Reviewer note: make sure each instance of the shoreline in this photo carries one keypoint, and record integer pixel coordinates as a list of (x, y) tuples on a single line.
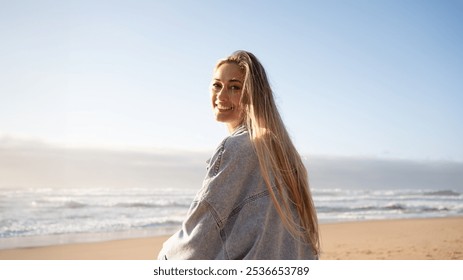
[(11, 243), (400, 239)]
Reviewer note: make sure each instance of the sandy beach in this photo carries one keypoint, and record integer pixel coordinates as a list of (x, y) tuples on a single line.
[(416, 239)]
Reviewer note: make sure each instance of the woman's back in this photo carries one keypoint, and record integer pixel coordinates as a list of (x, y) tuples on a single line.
[(234, 211)]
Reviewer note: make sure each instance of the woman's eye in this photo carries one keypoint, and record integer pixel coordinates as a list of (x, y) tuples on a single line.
[(216, 86), (235, 88)]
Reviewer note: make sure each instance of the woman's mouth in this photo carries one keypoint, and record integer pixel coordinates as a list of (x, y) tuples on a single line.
[(224, 108)]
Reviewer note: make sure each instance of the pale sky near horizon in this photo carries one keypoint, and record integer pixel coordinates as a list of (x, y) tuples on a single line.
[(351, 78)]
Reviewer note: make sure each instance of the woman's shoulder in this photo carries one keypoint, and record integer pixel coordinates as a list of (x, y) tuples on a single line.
[(238, 141), (236, 148), (233, 176)]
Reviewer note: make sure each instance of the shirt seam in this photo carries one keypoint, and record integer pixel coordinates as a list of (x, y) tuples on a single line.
[(219, 156), (245, 202), (219, 224)]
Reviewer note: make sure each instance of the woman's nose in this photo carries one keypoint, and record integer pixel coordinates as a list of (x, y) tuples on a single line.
[(222, 94)]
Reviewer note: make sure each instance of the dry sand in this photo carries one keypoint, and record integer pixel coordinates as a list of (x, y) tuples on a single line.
[(417, 239)]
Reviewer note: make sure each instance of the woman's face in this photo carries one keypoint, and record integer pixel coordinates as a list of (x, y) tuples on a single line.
[(227, 85)]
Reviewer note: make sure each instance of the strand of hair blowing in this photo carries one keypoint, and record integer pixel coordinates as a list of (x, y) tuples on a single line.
[(280, 163)]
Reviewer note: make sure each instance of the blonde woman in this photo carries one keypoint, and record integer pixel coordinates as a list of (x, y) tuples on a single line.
[(255, 201)]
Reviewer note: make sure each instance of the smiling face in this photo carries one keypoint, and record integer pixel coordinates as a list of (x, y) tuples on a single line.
[(227, 85)]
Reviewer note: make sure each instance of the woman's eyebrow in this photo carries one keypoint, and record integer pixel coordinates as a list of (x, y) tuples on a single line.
[(230, 81), (235, 80)]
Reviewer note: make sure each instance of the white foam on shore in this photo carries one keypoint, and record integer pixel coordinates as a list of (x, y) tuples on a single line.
[(63, 239)]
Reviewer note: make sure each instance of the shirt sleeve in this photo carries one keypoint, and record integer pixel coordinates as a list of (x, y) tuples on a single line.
[(201, 234), (198, 239)]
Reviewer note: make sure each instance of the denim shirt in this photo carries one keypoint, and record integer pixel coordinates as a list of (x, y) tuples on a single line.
[(233, 215)]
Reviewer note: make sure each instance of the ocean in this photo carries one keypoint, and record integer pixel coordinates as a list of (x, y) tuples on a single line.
[(46, 216)]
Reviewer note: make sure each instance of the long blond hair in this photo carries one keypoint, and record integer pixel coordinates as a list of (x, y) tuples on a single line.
[(280, 163)]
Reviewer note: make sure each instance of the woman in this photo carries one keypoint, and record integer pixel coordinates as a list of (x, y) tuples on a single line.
[(255, 201)]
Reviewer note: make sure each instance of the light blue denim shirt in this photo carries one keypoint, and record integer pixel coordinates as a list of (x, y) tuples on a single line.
[(233, 216)]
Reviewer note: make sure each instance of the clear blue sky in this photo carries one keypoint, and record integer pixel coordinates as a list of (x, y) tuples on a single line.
[(352, 78)]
